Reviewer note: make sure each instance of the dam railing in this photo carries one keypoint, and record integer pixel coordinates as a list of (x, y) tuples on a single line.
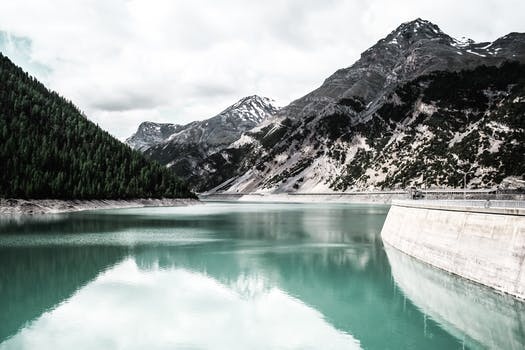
[(489, 203), (506, 207)]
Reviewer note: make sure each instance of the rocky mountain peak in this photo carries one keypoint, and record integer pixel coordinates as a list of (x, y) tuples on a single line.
[(188, 145), (253, 108), (255, 99), (221, 129), (417, 29), (413, 49), (149, 133), (416, 33)]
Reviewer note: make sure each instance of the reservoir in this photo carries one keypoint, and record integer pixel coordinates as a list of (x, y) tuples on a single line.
[(235, 276)]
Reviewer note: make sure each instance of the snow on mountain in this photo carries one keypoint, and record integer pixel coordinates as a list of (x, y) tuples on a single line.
[(373, 126), (183, 147), (149, 134), (418, 108)]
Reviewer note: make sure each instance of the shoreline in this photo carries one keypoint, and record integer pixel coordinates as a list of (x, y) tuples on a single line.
[(358, 198), (361, 197), (12, 206)]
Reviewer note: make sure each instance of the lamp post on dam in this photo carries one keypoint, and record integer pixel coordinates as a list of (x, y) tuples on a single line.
[(465, 181)]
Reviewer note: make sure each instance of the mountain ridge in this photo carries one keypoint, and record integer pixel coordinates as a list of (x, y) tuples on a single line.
[(405, 53), (327, 139), (351, 97), (250, 110), (183, 147)]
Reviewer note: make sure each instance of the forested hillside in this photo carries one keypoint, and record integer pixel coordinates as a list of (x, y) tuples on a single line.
[(49, 149)]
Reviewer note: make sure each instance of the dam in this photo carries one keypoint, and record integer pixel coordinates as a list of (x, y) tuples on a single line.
[(483, 241)]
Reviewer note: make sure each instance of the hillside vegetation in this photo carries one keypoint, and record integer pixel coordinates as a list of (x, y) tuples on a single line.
[(49, 149)]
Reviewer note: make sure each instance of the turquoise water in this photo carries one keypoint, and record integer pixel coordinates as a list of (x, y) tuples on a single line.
[(235, 276)]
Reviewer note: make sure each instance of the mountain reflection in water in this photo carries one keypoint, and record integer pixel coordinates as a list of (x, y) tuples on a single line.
[(215, 276)]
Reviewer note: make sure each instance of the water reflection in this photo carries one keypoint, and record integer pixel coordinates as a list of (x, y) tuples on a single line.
[(35, 280), (482, 317), (131, 308), (212, 276), (349, 285)]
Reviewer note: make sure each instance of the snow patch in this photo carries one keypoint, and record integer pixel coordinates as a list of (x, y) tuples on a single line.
[(498, 127), (494, 145), (281, 158), (242, 141), (476, 53), (427, 109), (486, 47), (360, 142), (462, 43)]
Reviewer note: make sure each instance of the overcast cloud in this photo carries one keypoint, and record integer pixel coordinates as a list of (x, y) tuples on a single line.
[(126, 61)]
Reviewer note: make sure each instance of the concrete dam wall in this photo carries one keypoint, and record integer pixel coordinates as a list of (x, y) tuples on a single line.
[(481, 243), (470, 311)]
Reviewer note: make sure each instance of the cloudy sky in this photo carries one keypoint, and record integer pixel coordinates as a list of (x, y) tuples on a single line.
[(126, 61)]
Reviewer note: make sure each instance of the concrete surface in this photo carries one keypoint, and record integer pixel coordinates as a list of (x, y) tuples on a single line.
[(471, 312), (485, 245)]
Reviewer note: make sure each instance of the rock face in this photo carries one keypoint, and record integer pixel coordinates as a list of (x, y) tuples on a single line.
[(419, 107), (413, 49), (183, 147), (149, 134)]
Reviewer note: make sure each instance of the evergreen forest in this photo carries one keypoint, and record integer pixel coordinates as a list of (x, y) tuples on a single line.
[(49, 149)]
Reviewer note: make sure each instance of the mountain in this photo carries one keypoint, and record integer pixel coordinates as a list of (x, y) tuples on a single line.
[(150, 133), (183, 147), (413, 49), (49, 149), (416, 108)]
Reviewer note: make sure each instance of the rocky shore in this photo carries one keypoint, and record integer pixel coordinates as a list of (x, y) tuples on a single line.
[(43, 206)]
